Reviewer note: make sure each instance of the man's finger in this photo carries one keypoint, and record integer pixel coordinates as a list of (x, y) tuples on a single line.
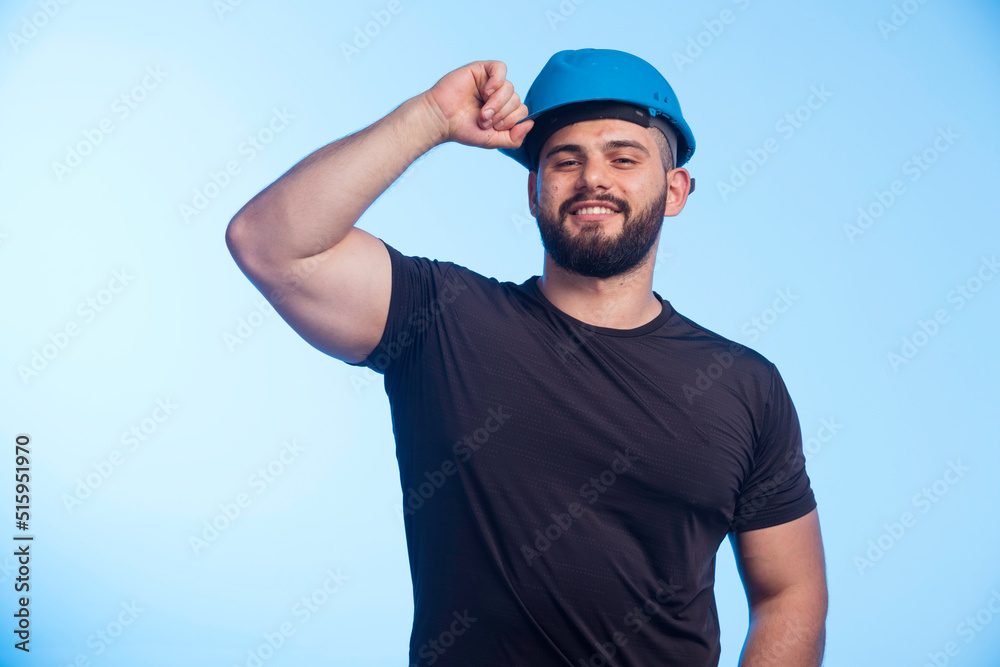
[(497, 73), (516, 116), (501, 103), (518, 132)]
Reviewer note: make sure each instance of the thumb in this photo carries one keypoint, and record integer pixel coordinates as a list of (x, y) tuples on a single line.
[(514, 137)]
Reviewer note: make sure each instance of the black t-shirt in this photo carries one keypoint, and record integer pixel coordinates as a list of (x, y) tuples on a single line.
[(566, 486)]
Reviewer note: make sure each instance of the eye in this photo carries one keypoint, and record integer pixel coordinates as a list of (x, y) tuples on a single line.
[(564, 163), (626, 159)]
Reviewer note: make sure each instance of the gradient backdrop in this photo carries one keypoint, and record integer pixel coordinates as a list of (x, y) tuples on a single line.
[(208, 489)]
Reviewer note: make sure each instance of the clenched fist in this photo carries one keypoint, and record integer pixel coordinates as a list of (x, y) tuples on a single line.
[(475, 105)]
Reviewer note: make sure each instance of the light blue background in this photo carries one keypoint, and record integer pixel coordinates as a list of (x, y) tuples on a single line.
[(334, 507)]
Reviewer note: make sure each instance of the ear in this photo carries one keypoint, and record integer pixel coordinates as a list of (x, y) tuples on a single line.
[(678, 188), (533, 193)]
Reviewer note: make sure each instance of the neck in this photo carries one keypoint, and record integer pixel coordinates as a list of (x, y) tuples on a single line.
[(620, 302)]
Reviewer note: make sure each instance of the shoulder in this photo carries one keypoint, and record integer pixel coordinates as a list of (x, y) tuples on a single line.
[(451, 280), (716, 373), (712, 347)]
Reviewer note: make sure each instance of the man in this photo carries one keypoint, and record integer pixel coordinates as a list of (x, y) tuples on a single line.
[(572, 451)]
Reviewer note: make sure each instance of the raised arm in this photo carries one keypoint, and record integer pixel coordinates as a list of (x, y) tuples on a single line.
[(296, 240), (784, 573)]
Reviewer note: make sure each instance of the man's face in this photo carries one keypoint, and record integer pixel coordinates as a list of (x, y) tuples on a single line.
[(610, 164)]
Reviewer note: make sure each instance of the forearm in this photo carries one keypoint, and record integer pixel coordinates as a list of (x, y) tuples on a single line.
[(788, 632), (315, 204)]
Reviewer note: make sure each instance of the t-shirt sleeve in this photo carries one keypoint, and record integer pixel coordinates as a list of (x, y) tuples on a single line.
[(418, 284), (777, 489)]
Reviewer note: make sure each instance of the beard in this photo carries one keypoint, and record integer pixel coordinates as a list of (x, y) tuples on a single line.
[(593, 253)]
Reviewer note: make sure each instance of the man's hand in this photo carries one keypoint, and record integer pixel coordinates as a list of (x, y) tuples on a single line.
[(475, 105)]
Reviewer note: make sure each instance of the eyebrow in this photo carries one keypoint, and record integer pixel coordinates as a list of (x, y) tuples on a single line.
[(608, 146)]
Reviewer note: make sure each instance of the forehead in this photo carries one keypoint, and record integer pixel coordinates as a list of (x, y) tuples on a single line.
[(596, 132)]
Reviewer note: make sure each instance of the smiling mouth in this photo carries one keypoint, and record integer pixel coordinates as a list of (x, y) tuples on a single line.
[(594, 210)]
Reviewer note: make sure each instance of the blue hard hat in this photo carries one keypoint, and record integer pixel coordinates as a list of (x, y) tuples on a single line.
[(601, 75)]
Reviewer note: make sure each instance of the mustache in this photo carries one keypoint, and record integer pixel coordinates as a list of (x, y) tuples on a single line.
[(620, 204)]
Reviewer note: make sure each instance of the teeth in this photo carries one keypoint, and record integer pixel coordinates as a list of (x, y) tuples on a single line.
[(591, 210)]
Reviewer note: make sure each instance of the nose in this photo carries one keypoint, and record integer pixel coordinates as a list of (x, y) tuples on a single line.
[(594, 175)]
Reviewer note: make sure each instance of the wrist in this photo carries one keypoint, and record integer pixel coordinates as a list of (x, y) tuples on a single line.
[(427, 121)]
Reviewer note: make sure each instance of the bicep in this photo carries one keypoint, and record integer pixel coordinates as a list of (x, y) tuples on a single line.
[(781, 559), (338, 300)]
